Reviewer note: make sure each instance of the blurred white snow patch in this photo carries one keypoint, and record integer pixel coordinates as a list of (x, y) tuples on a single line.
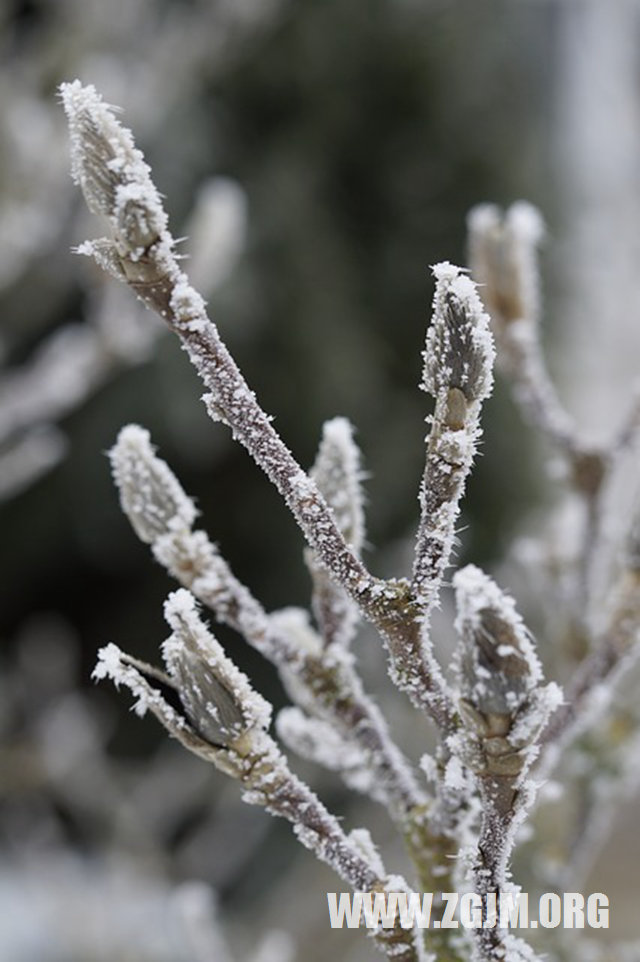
[(61, 907), (276, 946), (196, 904), (216, 231)]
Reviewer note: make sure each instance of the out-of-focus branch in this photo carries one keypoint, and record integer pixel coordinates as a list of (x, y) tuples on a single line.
[(503, 257)]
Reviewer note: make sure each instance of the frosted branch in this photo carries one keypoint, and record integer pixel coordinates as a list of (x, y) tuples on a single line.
[(323, 680), (504, 706), (503, 257), (117, 183), (458, 362), (458, 373), (594, 680), (205, 702), (318, 741)]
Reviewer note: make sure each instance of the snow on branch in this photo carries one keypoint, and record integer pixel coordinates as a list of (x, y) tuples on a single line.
[(208, 704), (323, 680), (117, 183), (495, 714), (458, 373), (504, 706), (503, 256)]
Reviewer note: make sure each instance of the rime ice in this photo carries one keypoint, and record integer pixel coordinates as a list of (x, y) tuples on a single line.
[(492, 720)]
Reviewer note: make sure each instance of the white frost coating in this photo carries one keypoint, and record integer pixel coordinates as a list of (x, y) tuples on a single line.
[(503, 252), (112, 663), (516, 950), (294, 625), (526, 222), (150, 494), (338, 475), (484, 218), (454, 775), (209, 682), (459, 350), (109, 664), (476, 593), (111, 171), (187, 304), (361, 840), (543, 704), (429, 766), (317, 740)]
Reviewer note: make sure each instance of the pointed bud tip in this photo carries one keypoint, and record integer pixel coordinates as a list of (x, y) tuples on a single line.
[(459, 350), (150, 494)]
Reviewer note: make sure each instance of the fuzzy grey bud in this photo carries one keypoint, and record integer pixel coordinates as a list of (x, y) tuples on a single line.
[(111, 171), (150, 494), (497, 664), (459, 352), (502, 250), (218, 699)]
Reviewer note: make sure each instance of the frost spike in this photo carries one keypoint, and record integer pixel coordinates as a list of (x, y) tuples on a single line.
[(497, 664), (111, 171), (459, 354)]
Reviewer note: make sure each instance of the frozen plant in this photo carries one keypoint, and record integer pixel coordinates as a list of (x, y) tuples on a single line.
[(495, 717)]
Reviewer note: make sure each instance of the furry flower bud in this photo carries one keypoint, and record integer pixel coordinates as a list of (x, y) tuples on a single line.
[(497, 663), (150, 494), (111, 171), (217, 697), (459, 352), (502, 251)]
